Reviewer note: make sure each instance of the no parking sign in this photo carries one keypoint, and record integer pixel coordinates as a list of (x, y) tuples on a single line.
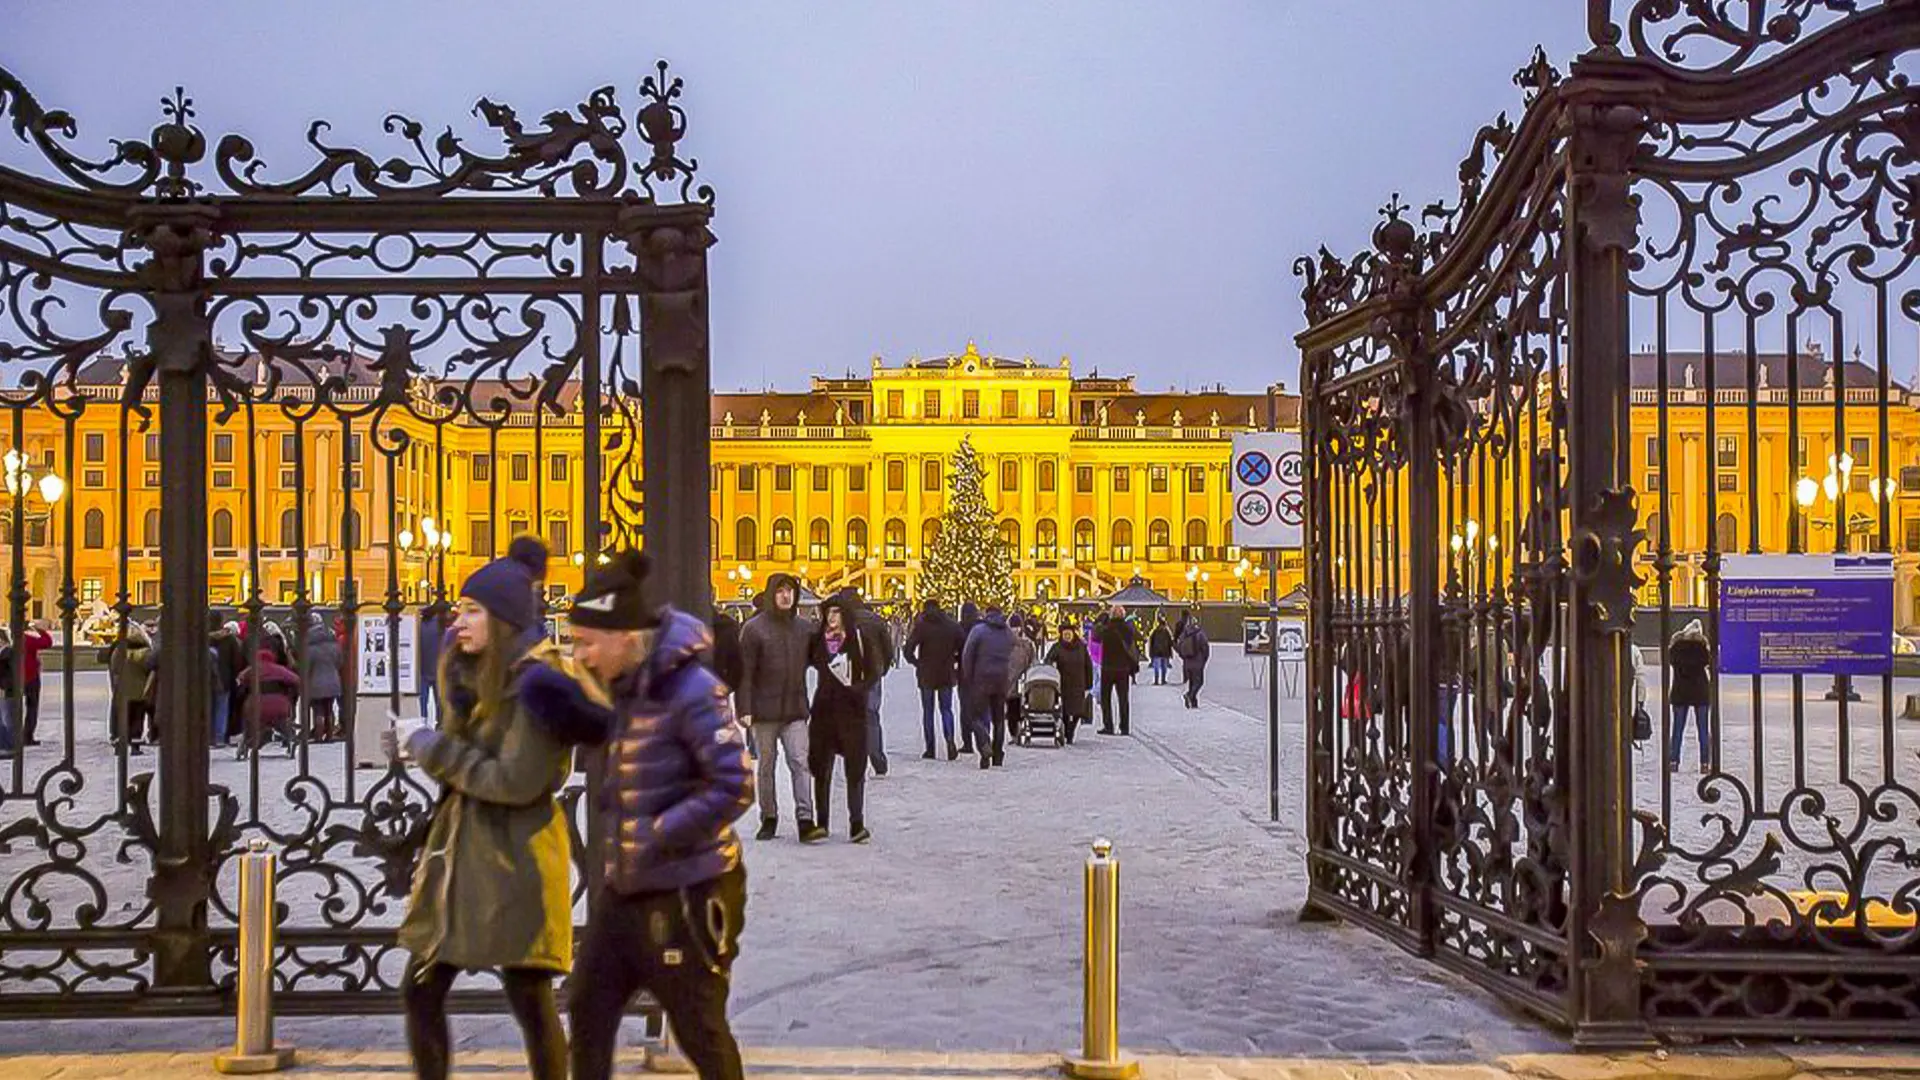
[(1268, 506)]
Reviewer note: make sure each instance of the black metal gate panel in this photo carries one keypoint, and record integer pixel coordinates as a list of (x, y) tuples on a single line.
[(311, 403), (1676, 292)]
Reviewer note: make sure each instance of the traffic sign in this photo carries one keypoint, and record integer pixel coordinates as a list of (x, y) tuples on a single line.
[(1269, 505)]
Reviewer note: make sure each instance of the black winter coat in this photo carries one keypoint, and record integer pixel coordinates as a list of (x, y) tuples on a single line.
[(727, 662), (933, 648), (1119, 650), (1690, 660), (1075, 665), (1160, 643), (834, 701)]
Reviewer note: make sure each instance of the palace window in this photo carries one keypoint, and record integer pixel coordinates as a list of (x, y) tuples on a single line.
[(819, 540), (782, 533), (559, 537), (1653, 463), (1046, 537), (930, 474), (1727, 452), (1010, 538), (150, 529), (857, 411), (1083, 550), (930, 405), (746, 539), (896, 474), (1157, 480), (353, 449), (821, 478), (1046, 404), (1088, 413), (1010, 475), (783, 478), (896, 403), (1122, 478), (857, 478), (1010, 403), (1726, 533), (1913, 534), (1159, 534), (929, 535), (1196, 479), (153, 449), (1047, 479), (480, 537), (748, 477), (557, 468), (1800, 453), (896, 539), (970, 404), (223, 478), (857, 539), (96, 447), (517, 527), (223, 448), (1123, 541), (290, 528), (522, 468), (482, 468), (1196, 540), (1083, 479), (222, 528)]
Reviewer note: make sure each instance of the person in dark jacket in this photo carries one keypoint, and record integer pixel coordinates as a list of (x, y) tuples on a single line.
[(269, 691), (986, 673), (323, 680), (933, 648), (493, 890), (969, 619), (130, 672), (1691, 659), (877, 634), (1119, 663), (676, 777), (229, 660), (727, 664), (432, 632), (1190, 641), (840, 656), (1160, 650), (1069, 656), (772, 699)]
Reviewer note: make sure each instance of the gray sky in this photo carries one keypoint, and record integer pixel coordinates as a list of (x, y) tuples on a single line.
[(1125, 183)]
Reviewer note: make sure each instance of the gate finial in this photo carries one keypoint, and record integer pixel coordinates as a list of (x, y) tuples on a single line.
[(1601, 29)]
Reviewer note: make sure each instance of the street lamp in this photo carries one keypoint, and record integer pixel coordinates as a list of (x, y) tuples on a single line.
[(1806, 493), (1193, 582)]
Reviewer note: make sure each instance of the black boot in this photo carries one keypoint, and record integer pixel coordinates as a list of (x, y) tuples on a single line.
[(927, 755), (769, 828), (986, 761), (952, 750)]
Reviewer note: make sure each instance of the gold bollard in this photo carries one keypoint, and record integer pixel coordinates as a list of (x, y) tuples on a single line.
[(1100, 1026), (253, 1049)]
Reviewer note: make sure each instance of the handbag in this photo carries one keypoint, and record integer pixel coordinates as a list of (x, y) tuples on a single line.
[(1642, 724)]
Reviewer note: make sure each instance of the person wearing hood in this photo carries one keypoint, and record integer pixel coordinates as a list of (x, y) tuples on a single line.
[(1691, 659), (1119, 663), (1190, 641), (323, 661), (772, 699), (493, 888), (1160, 650), (933, 648), (675, 777), (969, 620), (1069, 656), (229, 660), (877, 634), (986, 671), (131, 664), (726, 647), (269, 691), (840, 657)]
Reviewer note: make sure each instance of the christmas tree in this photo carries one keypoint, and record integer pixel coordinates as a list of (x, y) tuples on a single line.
[(966, 561)]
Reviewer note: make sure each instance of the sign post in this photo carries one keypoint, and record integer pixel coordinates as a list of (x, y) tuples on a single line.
[(1268, 511)]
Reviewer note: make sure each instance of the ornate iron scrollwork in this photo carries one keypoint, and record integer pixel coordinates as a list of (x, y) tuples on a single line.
[(1603, 558)]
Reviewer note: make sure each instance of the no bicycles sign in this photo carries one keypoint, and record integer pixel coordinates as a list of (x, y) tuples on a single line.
[(1268, 505)]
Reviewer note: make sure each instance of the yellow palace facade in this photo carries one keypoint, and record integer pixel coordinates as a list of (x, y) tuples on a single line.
[(1094, 480)]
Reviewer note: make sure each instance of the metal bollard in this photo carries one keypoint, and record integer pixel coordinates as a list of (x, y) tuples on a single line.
[(253, 1048), (1100, 1025)]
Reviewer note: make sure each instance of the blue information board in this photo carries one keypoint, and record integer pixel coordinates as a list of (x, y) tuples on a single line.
[(1806, 615)]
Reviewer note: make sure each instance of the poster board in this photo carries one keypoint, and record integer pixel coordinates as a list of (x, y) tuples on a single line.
[(1806, 615), (375, 654)]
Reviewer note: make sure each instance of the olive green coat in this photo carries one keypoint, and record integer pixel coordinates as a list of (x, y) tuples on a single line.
[(493, 887)]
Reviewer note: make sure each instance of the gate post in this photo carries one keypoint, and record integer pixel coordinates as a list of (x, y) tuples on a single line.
[(1605, 927), (675, 387), (176, 233)]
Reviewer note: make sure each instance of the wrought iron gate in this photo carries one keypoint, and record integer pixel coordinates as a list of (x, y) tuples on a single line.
[(305, 401), (1689, 268)]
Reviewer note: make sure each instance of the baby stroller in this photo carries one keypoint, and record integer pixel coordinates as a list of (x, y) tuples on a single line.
[(1040, 707)]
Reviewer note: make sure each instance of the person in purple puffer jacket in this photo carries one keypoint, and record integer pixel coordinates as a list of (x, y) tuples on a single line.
[(676, 777)]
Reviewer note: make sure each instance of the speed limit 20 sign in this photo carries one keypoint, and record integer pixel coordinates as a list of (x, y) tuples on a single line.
[(1269, 507)]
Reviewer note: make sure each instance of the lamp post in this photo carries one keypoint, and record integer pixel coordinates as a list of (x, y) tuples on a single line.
[(21, 484), (1193, 584), (1807, 492)]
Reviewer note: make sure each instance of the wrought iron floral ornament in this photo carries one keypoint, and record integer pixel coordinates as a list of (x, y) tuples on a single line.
[(1603, 557)]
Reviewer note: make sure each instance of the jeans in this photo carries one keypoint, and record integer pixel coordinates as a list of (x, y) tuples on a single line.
[(927, 697), (876, 738), (1196, 678), (30, 731), (1675, 744), (1108, 687), (677, 946), (1160, 664), (990, 725), (222, 714), (770, 737), (426, 692)]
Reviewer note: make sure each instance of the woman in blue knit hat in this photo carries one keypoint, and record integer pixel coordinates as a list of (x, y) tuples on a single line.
[(491, 890)]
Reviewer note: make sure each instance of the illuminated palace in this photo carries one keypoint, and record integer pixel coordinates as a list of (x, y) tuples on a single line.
[(1094, 481)]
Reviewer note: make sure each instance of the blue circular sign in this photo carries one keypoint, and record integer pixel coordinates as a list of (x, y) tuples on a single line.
[(1254, 468)]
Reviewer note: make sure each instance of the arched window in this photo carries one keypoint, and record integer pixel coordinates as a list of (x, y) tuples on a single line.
[(1726, 532), (1083, 541), (1046, 537), (782, 533), (857, 538), (1010, 538), (1046, 475), (1123, 541), (819, 540), (95, 529), (929, 535), (746, 539), (289, 528), (896, 539), (150, 529), (1159, 538), (1196, 539), (222, 529), (350, 529)]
